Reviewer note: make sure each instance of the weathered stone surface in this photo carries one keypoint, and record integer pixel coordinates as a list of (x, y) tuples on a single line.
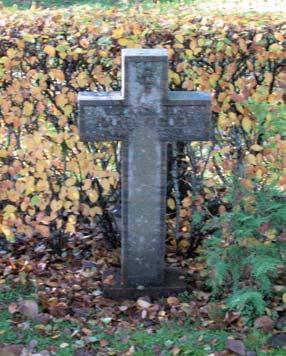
[(145, 116)]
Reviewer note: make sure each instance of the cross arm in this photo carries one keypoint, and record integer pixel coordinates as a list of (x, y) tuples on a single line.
[(188, 117), (102, 116)]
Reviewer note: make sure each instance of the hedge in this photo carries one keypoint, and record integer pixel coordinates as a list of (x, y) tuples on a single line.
[(51, 183)]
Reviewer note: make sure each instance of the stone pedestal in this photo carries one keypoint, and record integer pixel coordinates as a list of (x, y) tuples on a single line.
[(173, 284)]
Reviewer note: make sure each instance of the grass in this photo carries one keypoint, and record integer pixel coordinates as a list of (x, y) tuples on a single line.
[(189, 338), (23, 332), (26, 4), (242, 6), (171, 337)]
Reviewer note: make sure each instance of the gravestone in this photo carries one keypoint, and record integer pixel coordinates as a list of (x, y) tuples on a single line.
[(145, 115)]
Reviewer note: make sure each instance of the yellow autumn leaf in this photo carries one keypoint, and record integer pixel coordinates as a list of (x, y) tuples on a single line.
[(72, 219), (174, 77), (87, 184), (183, 213), (42, 185), (70, 181), (59, 223), (258, 174), (284, 298), (171, 203), (56, 205), (184, 244), (213, 79), (136, 29), (118, 32), (24, 205), (40, 166), (28, 108), (179, 38), (67, 205), (246, 124), (223, 121), (11, 52), (57, 74), (93, 195), (70, 228), (68, 109), (268, 77), (240, 108), (105, 184), (9, 209), (187, 202), (247, 183), (256, 148), (82, 79), (95, 211), (61, 99), (271, 234), (125, 42), (12, 195), (73, 193), (4, 153), (275, 48), (251, 159), (50, 50), (7, 232)]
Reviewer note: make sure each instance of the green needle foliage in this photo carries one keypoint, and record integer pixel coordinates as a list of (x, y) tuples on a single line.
[(249, 251)]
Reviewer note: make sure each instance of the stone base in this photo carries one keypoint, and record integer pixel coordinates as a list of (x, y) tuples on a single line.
[(174, 284)]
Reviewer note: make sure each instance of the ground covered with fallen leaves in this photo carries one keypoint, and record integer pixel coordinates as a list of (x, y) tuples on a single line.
[(52, 304)]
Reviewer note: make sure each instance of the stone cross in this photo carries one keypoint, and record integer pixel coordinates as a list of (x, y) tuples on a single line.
[(145, 115)]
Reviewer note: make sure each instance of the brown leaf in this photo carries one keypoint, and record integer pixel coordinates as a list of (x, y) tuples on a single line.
[(103, 343), (123, 308), (43, 318), (109, 280), (29, 308), (175, 351), (236, 346), (11, 350), (59, 310), (143, 303), (264, 323), (130, 351), (231, 317), (13, 308), (41, 353), (173, 301), (215, 311), (86, 331)]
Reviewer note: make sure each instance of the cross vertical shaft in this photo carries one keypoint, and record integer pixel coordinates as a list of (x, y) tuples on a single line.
[(144, 171)]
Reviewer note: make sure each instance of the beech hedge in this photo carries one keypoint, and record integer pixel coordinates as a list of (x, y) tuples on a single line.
[(51, 183)]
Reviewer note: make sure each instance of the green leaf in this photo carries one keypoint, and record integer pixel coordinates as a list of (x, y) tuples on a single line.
[(35, 200)]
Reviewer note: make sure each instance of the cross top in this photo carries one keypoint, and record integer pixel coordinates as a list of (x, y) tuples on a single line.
[(174, 115), (144, 115)]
